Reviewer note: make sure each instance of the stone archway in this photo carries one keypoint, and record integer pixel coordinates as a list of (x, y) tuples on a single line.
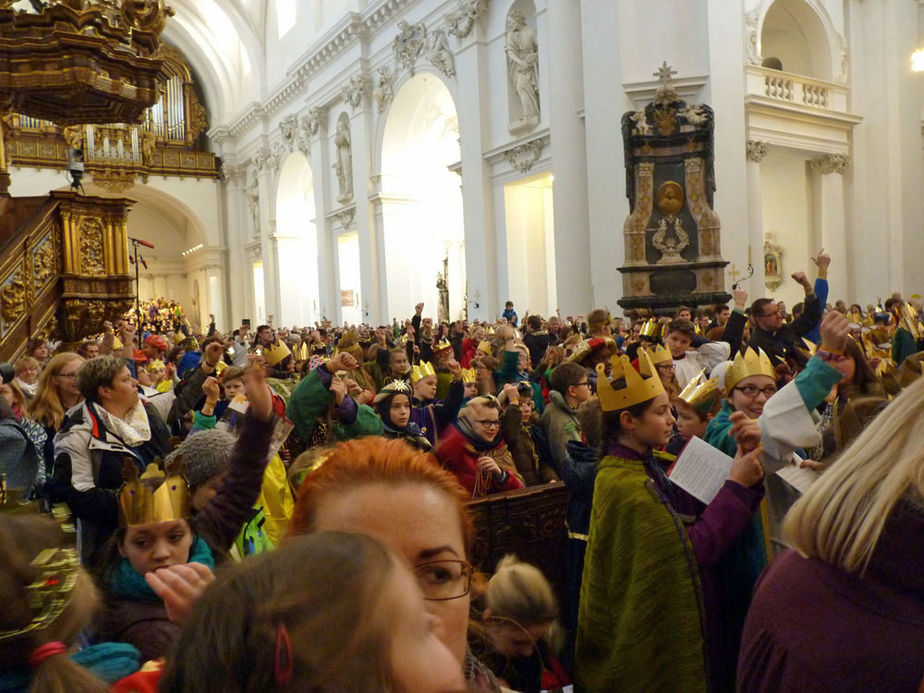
[(421, 198)]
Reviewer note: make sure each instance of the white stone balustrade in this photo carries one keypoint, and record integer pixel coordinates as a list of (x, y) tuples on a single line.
[(797, 90)]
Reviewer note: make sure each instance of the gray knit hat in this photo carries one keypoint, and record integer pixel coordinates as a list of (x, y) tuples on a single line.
[(204, 454)]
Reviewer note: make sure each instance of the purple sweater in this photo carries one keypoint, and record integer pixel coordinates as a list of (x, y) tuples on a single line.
[(814, 627)]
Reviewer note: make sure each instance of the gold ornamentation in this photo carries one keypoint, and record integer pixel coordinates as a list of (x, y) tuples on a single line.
[(73, 135), (91, 247), (43, 264), (13, 298), (115, 180), (670, 240), (198, 117), (670, 198), (146, 15)]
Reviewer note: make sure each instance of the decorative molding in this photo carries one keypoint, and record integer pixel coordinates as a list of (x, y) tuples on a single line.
[(468, 14), (441, 56), (288, 126), (253, 250), (384, 87), (830, 163), (756, 150), (353, 92), (311, 123), (523, 156), (344, 216), (751, 38), (409, 45)]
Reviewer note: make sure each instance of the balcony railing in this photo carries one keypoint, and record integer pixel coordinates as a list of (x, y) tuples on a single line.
[(794, 89)]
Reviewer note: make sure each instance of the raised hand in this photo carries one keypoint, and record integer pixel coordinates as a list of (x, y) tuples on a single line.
[(745, 430), (822, 260), (746, 468), (258, 394), (834, 329), (741, 297), (179, 586)]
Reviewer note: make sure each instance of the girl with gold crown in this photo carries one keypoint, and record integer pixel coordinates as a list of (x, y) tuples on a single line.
[(647, 617), (157, 546), (754, 413)]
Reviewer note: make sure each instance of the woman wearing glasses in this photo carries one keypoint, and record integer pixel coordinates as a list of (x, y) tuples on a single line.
[(475, 451), (400, 496), (56, 393)]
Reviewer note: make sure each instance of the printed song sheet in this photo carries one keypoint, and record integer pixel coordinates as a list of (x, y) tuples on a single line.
[(701, 470), (800, 478)]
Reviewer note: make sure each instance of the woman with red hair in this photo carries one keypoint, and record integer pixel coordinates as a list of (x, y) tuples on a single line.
[(402, 497)]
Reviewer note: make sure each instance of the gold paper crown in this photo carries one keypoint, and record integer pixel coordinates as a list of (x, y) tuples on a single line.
[(303, 354), (747, 364), (637, 389), (484, 346), (701, 394), (442, 345), (421, 371), (155, 365), (154, 496), (651, 328), (910, 321), (657, 355), (469, 375)]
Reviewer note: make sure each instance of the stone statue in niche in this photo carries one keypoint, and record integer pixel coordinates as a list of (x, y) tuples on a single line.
[(442, 285), (253, 202), (670, 239), (344, 166), (522, 48)]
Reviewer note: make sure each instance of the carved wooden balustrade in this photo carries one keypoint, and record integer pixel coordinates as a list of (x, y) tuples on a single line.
[(529, 523), (63, 267)]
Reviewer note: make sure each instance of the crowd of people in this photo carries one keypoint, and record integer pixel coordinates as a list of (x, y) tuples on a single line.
[(286, 508)]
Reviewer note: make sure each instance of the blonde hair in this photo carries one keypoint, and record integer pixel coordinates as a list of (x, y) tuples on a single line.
[(519, 592), (24, 363), (841, 517), (46, 406)]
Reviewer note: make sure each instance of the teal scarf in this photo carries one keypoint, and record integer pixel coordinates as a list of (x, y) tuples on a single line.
[(127, 583), (108, 661)]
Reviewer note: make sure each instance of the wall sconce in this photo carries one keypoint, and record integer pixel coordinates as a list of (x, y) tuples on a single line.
[(477, 299)]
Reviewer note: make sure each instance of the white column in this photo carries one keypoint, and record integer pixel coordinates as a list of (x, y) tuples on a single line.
[(371, 261), (830, 213), (481, 261), (267, 167), (569, 165), (725, 93), (756, 287), (319, 158), (604, 105)]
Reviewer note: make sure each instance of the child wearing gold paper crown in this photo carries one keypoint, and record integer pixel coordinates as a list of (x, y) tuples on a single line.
[(157, 547), (646, 605), (431, 415)]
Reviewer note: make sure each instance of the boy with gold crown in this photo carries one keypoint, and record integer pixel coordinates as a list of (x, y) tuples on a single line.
[(753, 414), (430, 414), (648, 594)]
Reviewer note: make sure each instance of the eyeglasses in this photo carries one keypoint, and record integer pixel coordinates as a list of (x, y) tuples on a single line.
[(443, 580), (752, 390), (667, 367), (488, 424), (67, 375), (586, 383)]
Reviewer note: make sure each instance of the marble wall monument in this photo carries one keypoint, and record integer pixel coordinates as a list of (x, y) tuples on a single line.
[(673, 250)]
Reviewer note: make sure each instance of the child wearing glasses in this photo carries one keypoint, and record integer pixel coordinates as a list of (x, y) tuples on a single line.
[(474, 450)]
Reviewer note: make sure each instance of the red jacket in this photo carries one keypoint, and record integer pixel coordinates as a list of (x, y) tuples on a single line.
[(459, 456)]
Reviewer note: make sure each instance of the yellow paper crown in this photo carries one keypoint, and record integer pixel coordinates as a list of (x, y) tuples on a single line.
[(701, 393), (657, 355), (637, 388), (421, 371), (442, 345), (469, 375), (651, 328), (155, 365), (303, 354), (152, 497), (747, 364), (484, 346)]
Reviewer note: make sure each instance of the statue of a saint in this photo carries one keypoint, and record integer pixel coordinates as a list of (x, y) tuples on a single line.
[(344, 165), (522, 48)]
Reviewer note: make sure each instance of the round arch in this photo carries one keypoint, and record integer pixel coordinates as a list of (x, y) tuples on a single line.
[(422, 199), (814, 46), (297, 242)]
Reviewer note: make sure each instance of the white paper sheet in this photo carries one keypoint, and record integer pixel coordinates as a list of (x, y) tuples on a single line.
[(800, 478), (701, 470)]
